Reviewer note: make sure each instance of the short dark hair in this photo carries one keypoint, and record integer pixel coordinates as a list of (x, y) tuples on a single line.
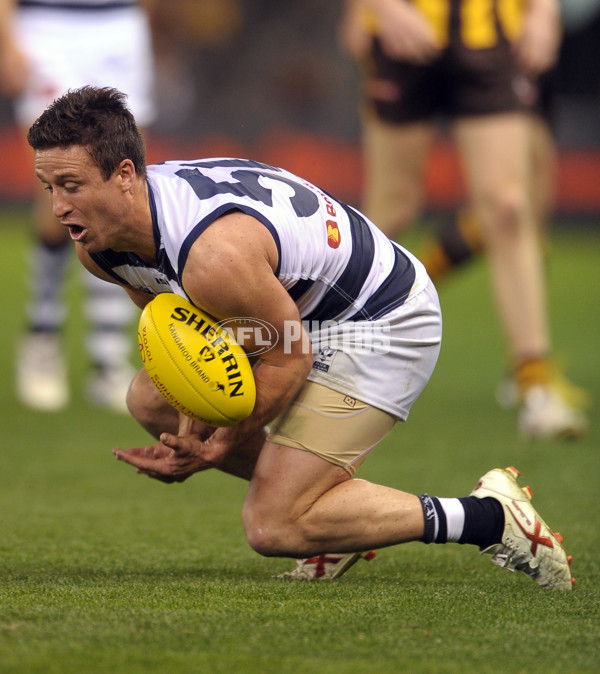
[(96, 118)]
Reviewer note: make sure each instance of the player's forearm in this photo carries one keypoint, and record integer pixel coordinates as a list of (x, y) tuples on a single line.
[(276, 387), (241, 463)]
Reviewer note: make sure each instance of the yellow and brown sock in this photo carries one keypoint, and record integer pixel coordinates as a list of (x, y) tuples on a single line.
[(459, 241), (532, 371)]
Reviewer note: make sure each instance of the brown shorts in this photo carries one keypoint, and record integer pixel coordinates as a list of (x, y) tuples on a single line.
[(462, 82), (334, 426)]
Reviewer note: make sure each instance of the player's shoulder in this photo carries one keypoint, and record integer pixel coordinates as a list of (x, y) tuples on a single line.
[(166, 169), (185, 174), (172, 181), (207, 166)]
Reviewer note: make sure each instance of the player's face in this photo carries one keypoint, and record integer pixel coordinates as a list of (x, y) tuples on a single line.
[(92, 208)]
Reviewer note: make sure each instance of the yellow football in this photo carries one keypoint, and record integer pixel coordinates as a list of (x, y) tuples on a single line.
[(195, 363)]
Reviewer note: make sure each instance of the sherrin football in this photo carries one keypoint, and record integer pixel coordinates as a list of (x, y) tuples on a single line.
[(194, 363)]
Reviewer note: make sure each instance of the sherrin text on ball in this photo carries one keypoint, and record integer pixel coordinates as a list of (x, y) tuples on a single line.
[(195, 363)]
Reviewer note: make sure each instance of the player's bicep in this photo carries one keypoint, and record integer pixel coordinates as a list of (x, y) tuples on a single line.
[(230, 275)]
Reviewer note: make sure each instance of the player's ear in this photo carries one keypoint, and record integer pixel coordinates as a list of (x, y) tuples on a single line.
[(126, 173)]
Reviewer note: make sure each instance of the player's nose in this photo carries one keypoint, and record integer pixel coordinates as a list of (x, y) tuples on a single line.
[(60, 205)]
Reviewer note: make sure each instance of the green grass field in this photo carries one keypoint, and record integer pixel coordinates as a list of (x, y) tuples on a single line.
[(106, 571)]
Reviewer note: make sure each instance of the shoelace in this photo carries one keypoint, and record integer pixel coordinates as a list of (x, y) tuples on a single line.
[(513, 560)]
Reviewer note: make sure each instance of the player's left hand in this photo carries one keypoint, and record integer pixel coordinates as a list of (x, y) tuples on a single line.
[(172, 459)]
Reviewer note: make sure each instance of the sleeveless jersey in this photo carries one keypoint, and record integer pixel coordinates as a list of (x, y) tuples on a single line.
[(481, 23), (334, 263)]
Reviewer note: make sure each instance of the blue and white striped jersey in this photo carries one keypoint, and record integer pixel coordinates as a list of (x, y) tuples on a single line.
[(335, 264)]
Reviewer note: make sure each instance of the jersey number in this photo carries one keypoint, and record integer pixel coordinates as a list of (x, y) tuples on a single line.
[(304, 202)]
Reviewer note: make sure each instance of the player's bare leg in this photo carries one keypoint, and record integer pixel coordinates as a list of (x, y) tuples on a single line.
[(395, 159), (41, 368), (149, 408), (497, 157), (298, 504)]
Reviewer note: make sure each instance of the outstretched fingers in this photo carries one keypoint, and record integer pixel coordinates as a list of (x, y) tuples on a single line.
[(171, 459), (151, 460)]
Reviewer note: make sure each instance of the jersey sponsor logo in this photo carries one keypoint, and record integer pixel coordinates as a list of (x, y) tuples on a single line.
[(333, 234), (340, 297), (333, 231)]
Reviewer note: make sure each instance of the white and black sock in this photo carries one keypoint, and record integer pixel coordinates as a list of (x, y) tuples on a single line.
[(109, 313), (48, 266), (478, 521)]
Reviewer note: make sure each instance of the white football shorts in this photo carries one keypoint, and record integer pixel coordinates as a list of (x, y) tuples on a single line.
[(72, 48), (385, 363)]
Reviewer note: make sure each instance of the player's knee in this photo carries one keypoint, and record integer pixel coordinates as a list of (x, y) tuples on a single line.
[(135, 395), (264, 540), (511, 212), (507, 213), (266, 533), (147, 406)]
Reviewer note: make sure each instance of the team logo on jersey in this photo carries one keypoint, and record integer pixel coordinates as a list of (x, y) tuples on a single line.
[(333, 234), (324, 359)]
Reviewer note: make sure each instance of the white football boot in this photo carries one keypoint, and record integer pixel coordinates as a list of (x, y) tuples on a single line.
[(546, 413), (507, 393), (326, 567), (508, 396), (41, 373), (528, 544)]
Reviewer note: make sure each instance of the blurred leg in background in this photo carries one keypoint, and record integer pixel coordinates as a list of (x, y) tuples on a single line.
[(113, 47), (422, 65)]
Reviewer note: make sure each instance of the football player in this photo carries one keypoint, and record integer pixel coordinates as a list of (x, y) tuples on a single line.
[(244, 240), (48, 47), (476, 66)]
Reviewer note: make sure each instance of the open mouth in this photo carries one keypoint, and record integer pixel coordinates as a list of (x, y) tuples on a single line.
[(76, 232)]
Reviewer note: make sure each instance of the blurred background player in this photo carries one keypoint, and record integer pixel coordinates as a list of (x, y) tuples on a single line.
[(477, 64), (47, 47), (460, 239)]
